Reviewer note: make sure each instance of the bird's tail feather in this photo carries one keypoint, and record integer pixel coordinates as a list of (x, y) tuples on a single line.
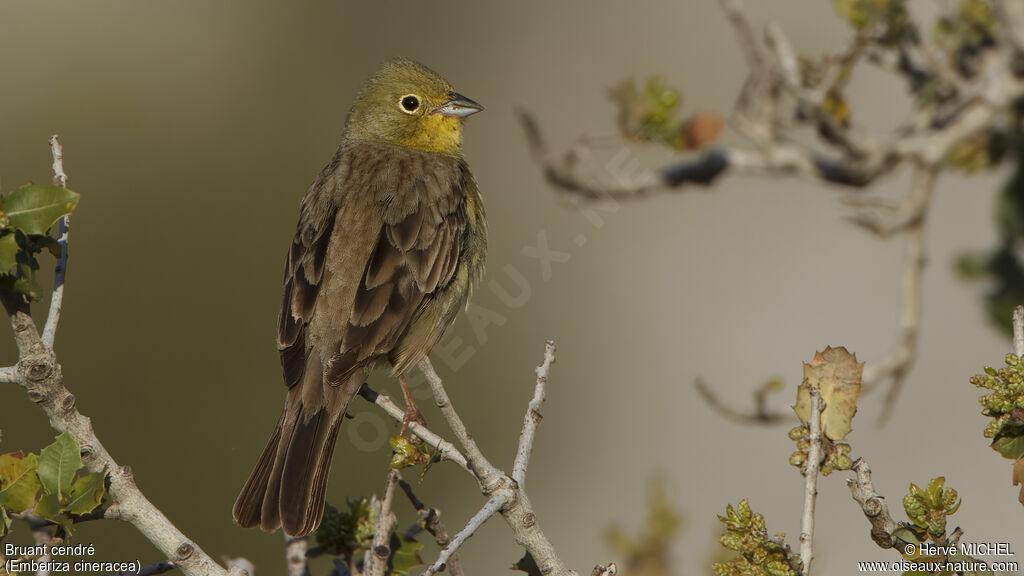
[(288, 485)]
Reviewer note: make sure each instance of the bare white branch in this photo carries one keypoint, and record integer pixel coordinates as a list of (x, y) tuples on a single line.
[(9, 374), (814, 458), (872, 504), (60, 178), (493, 505), (377, 558), (532, 418), (445, 449), (295, 555), (1018, 330)]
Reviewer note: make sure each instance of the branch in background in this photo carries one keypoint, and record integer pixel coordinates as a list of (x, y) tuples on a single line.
[(781, 96), (873, 504), (814, 458), (760, 415), (376, 562), (39, 373), (897, 363)]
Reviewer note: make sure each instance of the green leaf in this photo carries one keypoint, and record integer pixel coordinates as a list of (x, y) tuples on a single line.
[(34, 209), (405, 554), (1011, 447), (58, 463), (86, 494), (8, 253), (49, 508), (5, 523), (19, 484)]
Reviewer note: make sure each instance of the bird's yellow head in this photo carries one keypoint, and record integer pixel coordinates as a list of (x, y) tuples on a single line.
[(407, 104)]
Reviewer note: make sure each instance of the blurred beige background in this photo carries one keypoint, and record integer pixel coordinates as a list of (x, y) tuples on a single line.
[(192, 129)]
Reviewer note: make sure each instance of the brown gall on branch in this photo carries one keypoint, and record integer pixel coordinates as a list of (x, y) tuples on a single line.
[(39, 373)]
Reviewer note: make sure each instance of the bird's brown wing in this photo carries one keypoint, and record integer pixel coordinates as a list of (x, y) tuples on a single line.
[(303, 272), (414, 260)]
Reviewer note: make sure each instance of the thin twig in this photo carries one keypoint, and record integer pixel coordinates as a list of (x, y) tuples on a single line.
[(9, 374), (493, 505), (814, 457), (532, 418), (60, 178), (898, 362), (445, 449), (760, 416), (1018, 330), (377, 560), (872, 504), (295, 555), (430, 518)]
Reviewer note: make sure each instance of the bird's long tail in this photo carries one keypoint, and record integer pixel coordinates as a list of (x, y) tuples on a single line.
[(287, 486)]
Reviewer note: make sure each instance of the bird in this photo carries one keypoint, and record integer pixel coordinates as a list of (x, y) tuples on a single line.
[(391, 239)]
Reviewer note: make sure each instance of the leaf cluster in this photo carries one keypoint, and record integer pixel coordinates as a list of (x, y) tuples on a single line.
[(26, 215), (929, 508), (759, 555), (1004, 404), (53, 484), (348, 534)]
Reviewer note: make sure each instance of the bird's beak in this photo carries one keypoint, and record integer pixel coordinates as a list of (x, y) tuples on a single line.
[(459, 106)]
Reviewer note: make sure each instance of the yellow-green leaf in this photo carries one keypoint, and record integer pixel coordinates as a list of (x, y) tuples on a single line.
[(86, 494), (837, 374), (58, 463), (19, 484), (49, 508), (34, 209)]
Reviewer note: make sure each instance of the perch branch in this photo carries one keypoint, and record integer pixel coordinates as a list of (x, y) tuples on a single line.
[(380, 550), (873, 504), (532, 418), (493, 505), (39, 373), (9, 374), (60, 178), (814, 458), (445, 449)]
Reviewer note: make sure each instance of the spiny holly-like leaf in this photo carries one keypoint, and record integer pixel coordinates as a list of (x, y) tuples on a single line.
[(58, 463), (836, 373), (527, 564), (34, 209), (86, 494), (405, 554), (19, 484), (49, 508)]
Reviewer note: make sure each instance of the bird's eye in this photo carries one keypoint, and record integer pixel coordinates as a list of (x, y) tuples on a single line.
[(410, 103)]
